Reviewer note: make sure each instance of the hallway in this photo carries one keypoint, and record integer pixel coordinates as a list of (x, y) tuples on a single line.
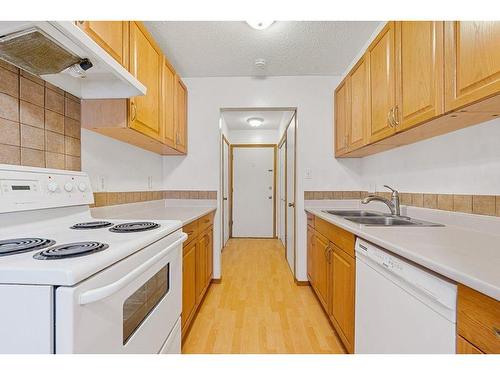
[(257, 308)]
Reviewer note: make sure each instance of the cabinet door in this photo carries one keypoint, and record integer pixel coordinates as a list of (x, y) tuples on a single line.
[(382, 84), (188, 283), (359, 107), (201, 266), (112, 36), (342, 296), (420, 76), (210, 254), (465, 347), (168, 104), (145, 64), (181, 97), (341, 99), (472, 61), (321, 267), (310, 254)]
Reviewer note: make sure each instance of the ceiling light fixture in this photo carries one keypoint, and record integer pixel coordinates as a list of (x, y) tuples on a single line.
[(259, 25), (255, 121)]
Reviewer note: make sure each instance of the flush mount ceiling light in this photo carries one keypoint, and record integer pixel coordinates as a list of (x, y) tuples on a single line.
[(259, 25), (255, 121)]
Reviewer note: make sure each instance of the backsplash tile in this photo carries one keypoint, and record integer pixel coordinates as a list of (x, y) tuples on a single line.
[(39, 123), (476, 204), (112, 198)]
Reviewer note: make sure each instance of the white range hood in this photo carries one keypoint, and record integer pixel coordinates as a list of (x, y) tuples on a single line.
[(106, 79)]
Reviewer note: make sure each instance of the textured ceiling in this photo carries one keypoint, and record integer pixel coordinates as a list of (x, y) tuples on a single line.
[(237, 120), (229, 48)]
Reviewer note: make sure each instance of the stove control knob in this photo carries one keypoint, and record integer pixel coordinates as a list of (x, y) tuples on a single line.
[(68, 186), (82, 186), (52, 186)]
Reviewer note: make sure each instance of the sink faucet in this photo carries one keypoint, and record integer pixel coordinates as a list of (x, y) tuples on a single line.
[(393, 204)]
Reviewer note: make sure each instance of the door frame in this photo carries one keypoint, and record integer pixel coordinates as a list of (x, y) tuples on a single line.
[(280, 143), (231, 182), (224, 177)]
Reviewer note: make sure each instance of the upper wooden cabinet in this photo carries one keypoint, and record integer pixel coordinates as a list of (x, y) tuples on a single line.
[(341, 118), (112, 36), (146, 62), (425, 78), (472, 62), (156, 121), (382, 84), (181, 100), (419, 72)]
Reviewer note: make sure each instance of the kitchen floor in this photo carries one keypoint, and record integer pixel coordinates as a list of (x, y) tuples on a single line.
[(257, 308)]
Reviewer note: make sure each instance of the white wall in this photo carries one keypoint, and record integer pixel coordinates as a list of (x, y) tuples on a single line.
[(312, 95), (463, 162), (253, 136), (122, 166)]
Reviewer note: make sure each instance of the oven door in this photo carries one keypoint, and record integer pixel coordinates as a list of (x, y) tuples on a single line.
[(130, 307)]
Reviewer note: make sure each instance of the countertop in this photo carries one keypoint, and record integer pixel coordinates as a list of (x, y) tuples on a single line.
[(185, 210), (466, 249)]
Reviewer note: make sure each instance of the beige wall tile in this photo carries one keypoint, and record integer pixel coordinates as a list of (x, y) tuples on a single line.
[(72, 163), (54, 101), (54, 142), (10, 154), (462, 203), (32, 77), (54, 88), (497, 205), (9, 82), (483, 204), (212, 195), (72, 146), (445, 202), (32, 137), (430, 201), (54, 160), (72, 127), (417, 199), (337, 195), (203, 194), (4, 64), (32, 92), (31, 114), (72, 109), (9, 132), (194, 195), (32, 158), (406, 198), (54, 122), (72, 97), (9, 107), (351, 195)]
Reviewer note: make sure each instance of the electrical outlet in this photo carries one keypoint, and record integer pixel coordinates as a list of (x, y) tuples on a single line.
[(102, 183), (150, 182), (308, 174)]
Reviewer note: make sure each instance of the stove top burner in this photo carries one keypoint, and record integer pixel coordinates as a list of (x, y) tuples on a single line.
[(92, 225), (139, 226), (71, 250), (23, 245)]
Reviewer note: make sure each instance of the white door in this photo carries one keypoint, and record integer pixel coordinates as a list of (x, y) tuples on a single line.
[(290, 195), (282, 193), (225, 193), (253, 191)]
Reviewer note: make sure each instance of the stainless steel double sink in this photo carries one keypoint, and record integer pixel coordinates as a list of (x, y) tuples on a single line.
[(379, 219)]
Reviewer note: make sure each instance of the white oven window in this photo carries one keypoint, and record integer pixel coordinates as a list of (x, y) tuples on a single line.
[(137, 307)]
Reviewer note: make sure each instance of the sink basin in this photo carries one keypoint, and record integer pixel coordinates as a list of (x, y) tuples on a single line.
[(390, 221), (354, 213)]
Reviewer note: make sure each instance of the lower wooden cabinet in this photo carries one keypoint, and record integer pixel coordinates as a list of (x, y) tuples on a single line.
[(331, 273), (197, 267)]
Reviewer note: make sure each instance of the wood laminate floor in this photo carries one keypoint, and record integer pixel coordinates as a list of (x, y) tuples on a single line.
[(257, 308)]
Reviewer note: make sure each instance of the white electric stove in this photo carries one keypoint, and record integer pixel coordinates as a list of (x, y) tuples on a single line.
[(70, 283)]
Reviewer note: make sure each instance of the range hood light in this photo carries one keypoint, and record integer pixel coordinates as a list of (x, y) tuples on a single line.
[(78, 70)]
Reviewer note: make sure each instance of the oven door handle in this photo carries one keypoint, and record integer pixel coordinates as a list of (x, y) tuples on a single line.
[(98, 294)]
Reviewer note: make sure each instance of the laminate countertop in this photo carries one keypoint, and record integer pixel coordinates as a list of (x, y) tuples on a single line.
[(466, 249), (185, 210)]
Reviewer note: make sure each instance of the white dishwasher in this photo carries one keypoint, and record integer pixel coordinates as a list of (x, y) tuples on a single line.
[(401, 307)]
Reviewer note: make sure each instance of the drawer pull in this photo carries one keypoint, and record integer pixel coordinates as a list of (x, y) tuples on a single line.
[(497, 332)]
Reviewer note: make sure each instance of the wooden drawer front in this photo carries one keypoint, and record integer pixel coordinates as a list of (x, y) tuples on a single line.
[(310, 220), (191, 230), (478, 319), (339, 236), (205, 221)]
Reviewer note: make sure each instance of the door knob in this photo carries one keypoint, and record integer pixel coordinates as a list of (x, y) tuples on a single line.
[(291, 204), (269, 197), (225, 198)]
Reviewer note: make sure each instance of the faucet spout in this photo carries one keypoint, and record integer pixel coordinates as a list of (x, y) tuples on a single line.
[(393, 204)]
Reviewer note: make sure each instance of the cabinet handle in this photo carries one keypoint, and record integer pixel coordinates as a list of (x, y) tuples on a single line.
[(395, 115), (133, 109), (389, 118), (497, 332)]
